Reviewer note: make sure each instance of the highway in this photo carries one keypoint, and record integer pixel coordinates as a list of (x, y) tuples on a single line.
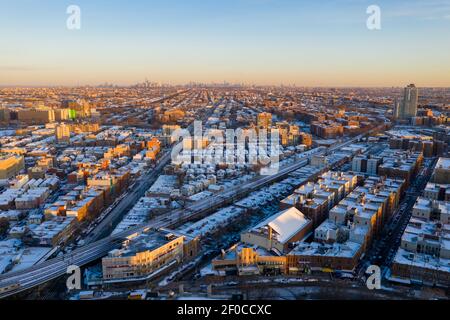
[(54, 268)]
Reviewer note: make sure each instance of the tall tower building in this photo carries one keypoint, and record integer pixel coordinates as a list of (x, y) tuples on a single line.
[(407, 108), (397, 107), (410, 100)]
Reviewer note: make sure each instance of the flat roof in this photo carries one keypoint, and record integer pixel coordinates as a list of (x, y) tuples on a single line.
[(443, 163), (147, 240)]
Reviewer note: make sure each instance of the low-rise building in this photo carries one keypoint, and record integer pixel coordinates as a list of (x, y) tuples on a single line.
[(442, 171), (10, 165), (400, 164), (278, 231), (50, 232), (340, 240), (316, 199), (146, 253), (246, 261), (424, 253)]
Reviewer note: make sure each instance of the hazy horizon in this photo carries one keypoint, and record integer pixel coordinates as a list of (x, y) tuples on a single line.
[(217, 85)]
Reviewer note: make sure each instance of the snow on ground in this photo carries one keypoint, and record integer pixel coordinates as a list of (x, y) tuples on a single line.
[(13, 257), (212, 222), (208, 271), (139, 213), (29, 257)]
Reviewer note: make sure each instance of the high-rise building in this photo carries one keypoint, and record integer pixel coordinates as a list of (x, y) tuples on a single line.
[(396, 108), (407, 108), (410, 100), (62, 133), (61, 114), (39, 115), (77, 108), (4, 114), (372, 165), (359, 164), (366, 164)]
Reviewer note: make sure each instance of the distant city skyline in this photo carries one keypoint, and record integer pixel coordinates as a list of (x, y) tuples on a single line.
[(260, 42)]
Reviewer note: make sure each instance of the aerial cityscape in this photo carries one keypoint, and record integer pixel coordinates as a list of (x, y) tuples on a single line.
[(122, 181)]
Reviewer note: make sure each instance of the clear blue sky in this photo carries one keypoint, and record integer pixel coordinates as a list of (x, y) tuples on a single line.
[(310, 43)]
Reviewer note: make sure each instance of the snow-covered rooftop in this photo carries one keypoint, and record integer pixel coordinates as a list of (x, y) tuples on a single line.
[(285, 223)]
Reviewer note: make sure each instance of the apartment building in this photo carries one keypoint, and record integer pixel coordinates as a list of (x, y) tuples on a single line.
[(62, 133), (366, 164), (424, 253), (264, 120), (327, 129), (400, 164), (315, 200), (153, 148), (340, 240), (10, 165), (436, 191), (50, 232), (62, 114), (148, 252), (442, 171), (425, 143), (77, 108), (36, 115)]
